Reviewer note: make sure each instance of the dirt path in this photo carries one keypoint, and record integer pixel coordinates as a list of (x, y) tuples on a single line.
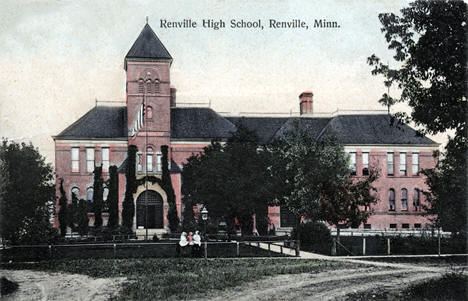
[(328, 285), (35, 285)]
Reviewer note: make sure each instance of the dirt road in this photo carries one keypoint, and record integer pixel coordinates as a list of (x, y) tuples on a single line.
[(35, 285)]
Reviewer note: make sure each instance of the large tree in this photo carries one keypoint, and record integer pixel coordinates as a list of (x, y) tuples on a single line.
[(113, 197), (166, 184), (229, 179), (429, 39), (28, 193), (63, 215), (98, 188), (128, 205)]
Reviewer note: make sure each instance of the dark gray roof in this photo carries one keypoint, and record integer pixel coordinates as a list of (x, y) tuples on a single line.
[(98, 123), (206, 124), (264, 127), (148, 46), (374, 129), (199, 123)]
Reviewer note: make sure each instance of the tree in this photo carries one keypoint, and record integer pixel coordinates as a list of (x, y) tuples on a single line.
[(229, 179), (166, 183), (429, 41), (113, 197), (73, 213), (63, 211), (98, 189), (28, 194), (128, 205), (83, 220)]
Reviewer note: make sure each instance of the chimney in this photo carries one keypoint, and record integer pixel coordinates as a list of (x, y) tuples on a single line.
[(305, 102), (173, 96)]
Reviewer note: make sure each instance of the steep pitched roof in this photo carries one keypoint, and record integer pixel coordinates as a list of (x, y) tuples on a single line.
[(98, 123), (199, 123), (374, 129), (148, 46), (264, 127), (314, 125)]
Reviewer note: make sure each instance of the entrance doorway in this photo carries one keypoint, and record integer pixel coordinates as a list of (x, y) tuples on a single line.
[(150, 202)]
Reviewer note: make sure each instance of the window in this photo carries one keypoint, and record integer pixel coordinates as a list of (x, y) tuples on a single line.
[(105, 159), (404, 199), (416, 202), (141, 86), (90, 159), (139, 163), (75, 158), (105, 205), (415, 163), (148, 87), (156, 86), (352, 163), (367, 226), (417, 226), (149, 112), (89, 194), (405, 226), (391, 199), (403, 164), (158, 161), (149, 159), (75, 192), (393, 226), (390, 164), (365, 164)]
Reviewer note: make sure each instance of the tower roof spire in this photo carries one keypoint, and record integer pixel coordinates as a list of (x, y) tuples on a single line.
[(148, 47)]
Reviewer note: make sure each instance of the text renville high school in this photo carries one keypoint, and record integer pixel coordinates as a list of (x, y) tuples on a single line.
[(101, 138)]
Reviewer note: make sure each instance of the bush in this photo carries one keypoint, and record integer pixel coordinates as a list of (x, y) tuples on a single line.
[(315, 237)]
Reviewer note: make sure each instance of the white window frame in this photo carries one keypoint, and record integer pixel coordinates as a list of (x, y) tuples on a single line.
[(158, 161), (405, 207), (402, 168), (390, 163), (139, 162), (90, 163), (352, 162), (149, 159), (105, 151), (75, 159), (415, 163)]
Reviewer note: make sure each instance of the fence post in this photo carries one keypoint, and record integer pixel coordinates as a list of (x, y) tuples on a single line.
[(363, 245), (298, 248), (438, 242), (206, 250), (237, 245), (50, 251), (333, 250), (269, 250), (388, 246), (115, 250), (281, 248)]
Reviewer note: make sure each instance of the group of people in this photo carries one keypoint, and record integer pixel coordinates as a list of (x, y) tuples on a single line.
[(190, 244)]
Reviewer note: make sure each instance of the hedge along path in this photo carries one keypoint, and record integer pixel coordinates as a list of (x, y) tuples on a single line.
[(36, 285)]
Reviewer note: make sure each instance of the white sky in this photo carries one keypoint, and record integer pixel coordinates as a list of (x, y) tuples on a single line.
[(57, 57)]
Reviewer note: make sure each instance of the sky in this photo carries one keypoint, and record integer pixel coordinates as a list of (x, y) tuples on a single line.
[(58, 57)]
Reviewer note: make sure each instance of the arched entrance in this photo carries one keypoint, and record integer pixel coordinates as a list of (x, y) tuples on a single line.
[(154, 209)]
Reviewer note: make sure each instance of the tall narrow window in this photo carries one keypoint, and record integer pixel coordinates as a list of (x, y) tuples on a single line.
[(416, 201), (149, 89), (415, 163), (390, 164), (75, 158), (139, 162), (89, 194), (149, 159), (403, 164), (105, 159), (391, 199), (156, 86), (75, 192), (352, 162), (158, 161), (365, 164), (90, 159), (404, 199), (141, 86)]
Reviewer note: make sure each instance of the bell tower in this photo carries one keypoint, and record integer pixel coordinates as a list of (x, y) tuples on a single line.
[(147, 66)]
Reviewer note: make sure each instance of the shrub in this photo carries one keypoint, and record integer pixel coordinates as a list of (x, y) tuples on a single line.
[(315, 237)]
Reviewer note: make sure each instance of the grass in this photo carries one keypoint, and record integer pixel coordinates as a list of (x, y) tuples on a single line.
[(180, 278), (431, 261)]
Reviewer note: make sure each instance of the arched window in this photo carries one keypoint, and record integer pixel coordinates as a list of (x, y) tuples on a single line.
[(404, 199), (149, 112), (139, 162), (391, 199), (416, 201), (89, 194), (141, 86), (149, 89), (149, 159), (156, 86), (75, 192)]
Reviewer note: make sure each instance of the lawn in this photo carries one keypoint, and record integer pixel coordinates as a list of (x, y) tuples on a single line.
[(180, 278)]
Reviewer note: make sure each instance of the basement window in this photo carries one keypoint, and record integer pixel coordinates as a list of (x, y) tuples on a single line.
[(393, 226), (405, 226), (417, 226)]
